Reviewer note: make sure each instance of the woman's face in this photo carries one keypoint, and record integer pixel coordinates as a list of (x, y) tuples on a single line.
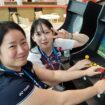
[(14, 50), (43, 37)]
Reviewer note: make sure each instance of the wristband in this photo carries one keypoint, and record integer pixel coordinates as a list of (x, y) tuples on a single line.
[(71, 35)]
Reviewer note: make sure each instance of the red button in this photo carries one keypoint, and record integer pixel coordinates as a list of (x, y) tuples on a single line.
[(101, 70)]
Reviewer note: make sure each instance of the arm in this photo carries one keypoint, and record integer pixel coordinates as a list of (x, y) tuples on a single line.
[(62, 76), (70, 97), (80, 39)]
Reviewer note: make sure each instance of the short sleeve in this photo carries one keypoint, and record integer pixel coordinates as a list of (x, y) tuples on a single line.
[(65, 44), (15, 91), (35, 58)]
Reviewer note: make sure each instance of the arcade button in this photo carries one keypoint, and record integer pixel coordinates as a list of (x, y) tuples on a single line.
[(84, 78), (102, 70), (98, 95), (91, 64), (94, 64), (87, 57)]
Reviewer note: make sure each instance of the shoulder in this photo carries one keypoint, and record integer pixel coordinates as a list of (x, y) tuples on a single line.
[(14, 89), (34, 55), (35, 50)]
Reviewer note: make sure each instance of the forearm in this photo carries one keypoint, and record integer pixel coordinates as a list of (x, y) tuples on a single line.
[(81, 38), (63, 76), (69, 97), (57, 76), (74, 97), (72, 68)]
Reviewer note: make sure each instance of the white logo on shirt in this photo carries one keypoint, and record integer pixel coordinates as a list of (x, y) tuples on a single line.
[(24, 90)]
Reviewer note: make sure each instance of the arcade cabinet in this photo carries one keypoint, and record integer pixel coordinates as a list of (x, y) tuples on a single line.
[(81, 17), (87, 18), (95, 49)]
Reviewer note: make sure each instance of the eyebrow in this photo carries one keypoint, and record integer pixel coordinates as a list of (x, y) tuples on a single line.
[(41, 31), (14, 41)]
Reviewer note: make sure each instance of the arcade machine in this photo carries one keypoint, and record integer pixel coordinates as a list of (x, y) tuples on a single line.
[(73, 22), (87, 18), (95, 51), (81, 17)]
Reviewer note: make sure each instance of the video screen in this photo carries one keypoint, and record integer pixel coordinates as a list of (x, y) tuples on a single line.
[(75, 23), (101, 49)]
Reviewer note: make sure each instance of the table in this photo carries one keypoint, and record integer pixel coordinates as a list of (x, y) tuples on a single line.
[(50, 17)]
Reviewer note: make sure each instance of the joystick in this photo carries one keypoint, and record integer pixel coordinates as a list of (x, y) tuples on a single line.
[(102, 76), (102, 70), (87, 57), (92, 63)]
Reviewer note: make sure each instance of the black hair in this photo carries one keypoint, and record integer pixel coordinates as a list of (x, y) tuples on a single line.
[(34, 27), (6, 26)]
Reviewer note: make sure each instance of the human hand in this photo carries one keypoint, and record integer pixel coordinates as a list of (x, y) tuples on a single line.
[(92, 71), (82, 64), (61, 34), (100, 86)]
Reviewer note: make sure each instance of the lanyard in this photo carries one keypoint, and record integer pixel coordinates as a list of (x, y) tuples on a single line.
[(57, 58), (24, 72)]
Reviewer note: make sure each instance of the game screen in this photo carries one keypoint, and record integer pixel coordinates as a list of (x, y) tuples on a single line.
[(75, 23), (101, 49)]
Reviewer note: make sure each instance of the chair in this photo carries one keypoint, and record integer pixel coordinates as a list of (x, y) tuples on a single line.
[(51, 17), (15, 18), (20, 20), (11, 11), (38, 14)]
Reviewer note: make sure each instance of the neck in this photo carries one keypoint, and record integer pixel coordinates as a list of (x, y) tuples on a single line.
[(17, 69), (48, 51)]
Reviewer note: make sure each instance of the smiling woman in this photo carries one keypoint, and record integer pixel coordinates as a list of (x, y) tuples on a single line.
[(17, 49)]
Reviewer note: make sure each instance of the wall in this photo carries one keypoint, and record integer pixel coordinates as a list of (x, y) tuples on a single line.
[(27, 11)]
